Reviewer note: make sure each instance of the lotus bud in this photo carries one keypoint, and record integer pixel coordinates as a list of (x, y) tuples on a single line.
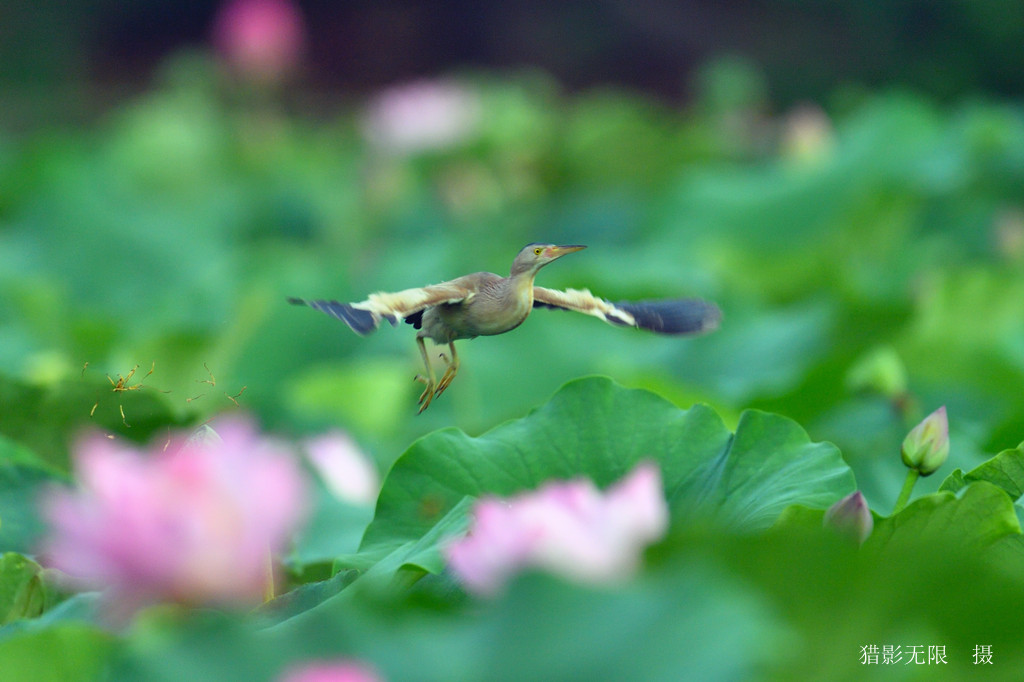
[(851, 517), (926, 447)]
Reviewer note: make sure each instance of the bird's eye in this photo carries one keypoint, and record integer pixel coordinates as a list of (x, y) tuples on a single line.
[(537, 251)]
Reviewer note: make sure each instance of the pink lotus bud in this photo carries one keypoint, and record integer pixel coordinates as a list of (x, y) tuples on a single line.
[(192, 520), (926, 447), (260, 40), (570, 528), (851, 517)]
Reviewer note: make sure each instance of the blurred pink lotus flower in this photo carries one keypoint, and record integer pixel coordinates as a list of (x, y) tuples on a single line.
[(422, 116), (260, 40), (191, 521), (567, 527), (325, 671), (345, 470)]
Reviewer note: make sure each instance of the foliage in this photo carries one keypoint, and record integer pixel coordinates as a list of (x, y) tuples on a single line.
[(870, 271)]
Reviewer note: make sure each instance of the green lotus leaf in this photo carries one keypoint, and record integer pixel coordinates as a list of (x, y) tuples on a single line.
[(1005, 470), (597, 429)]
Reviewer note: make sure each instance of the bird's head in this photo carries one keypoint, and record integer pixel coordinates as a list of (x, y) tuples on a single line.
[(535, 256)]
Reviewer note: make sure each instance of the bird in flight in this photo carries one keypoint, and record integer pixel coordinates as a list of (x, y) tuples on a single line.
[(485, 304)]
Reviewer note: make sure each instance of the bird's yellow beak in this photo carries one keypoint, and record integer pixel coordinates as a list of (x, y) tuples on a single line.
[(559, 251)]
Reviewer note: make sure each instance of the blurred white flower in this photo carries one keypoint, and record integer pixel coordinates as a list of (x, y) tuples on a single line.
[(807, 134), (345, 470), (422, 116)]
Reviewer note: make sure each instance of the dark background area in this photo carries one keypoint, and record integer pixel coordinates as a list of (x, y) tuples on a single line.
[(807, 48)]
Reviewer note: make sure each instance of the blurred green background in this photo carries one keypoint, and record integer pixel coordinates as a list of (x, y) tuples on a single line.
[(845, 179), (845, 182)]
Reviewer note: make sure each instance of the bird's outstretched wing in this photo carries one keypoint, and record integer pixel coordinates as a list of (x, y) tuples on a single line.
[(669, 316), (365, 316)]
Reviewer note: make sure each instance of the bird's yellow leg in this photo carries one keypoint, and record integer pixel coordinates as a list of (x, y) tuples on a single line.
[(449, 374), (428, 392)]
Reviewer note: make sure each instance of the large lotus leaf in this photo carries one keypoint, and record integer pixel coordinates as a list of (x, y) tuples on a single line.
[(1005, 470), (977, 517), (687, 615), (947, 569), (63, 653), (597, 429), (375, 571), (78, 609)]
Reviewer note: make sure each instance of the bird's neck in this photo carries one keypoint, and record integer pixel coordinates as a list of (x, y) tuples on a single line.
[(522, 285)]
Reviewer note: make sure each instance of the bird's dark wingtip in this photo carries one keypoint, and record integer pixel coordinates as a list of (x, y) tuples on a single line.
[(361, 321), (676, 316)]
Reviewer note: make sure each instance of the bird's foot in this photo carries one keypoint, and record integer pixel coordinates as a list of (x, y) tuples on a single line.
[(428, 393), (446, 378)]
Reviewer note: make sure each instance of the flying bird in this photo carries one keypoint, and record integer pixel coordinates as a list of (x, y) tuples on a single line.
[(485, 304)]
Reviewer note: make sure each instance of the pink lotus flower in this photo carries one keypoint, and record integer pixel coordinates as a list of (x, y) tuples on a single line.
[(345, 470), (190, 521), (340, 671), (569, 528), (261, 40)]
